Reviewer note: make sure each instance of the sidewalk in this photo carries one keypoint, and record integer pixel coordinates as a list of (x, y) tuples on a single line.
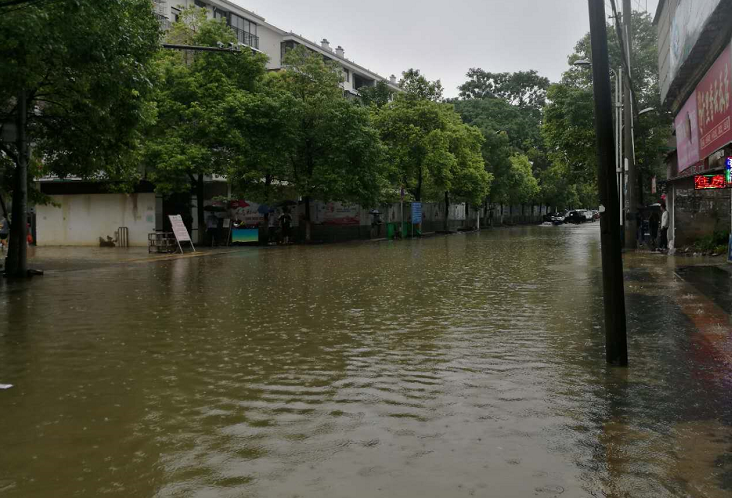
[(63, 259), (694, 293)]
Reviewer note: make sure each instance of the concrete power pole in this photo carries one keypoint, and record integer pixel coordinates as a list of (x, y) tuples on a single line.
[(17, 261), (616, 343), (631, 225)]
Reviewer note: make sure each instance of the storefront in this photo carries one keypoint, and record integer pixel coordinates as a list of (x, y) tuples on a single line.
[(699, 195)]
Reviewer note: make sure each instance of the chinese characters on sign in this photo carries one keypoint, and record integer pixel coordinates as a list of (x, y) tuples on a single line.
[(416, 213), (713, 99), (709, 182)]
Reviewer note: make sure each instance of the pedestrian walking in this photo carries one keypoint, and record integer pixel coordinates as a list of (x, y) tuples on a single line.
[(663, 245), (285, 225), (654, 222), (212, 225)]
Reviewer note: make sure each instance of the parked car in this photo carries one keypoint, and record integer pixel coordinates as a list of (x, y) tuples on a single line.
[(588, 215), (576, 217), (560, 218)]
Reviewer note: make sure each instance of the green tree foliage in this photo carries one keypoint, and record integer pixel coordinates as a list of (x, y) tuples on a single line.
[(417, 87), (379, 95), (198, 97), (508, 105), (85, 68), (261, 123), (335, 152), (521, 184), (497, 115), (568, 127), (433, 152), (510, 132), (523, 89)]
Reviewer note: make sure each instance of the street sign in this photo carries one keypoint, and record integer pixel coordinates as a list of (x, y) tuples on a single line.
[(709, 182), (180, 231), (416, 213)]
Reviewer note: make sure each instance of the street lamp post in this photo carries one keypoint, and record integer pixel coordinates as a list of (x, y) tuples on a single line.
[(617, 132)]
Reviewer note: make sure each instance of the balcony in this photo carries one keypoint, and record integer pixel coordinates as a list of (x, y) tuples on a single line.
[(246, 38), (164, 21)]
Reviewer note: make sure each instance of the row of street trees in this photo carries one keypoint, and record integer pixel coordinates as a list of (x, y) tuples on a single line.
[(103, 100)]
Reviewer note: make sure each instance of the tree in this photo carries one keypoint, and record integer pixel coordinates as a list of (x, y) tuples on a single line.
[(434, 154), (523, 89), (335, 152), (417, 87), (198, 96), (378, 95), (470, 182), (568, 128), (261, 126), (522, 129), (75, 77), (521, 184), (510, 103)]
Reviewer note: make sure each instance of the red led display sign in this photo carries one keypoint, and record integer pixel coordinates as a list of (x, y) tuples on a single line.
[(709, 182)]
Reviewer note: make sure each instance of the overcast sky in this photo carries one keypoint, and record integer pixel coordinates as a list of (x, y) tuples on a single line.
[(441, 38)]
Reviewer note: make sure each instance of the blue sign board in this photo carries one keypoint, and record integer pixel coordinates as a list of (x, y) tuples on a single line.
[(416, 213), (728, 170)]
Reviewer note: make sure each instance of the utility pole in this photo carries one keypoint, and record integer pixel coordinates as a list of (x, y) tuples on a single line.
[(631, 225), (17, 263), (616, 343)]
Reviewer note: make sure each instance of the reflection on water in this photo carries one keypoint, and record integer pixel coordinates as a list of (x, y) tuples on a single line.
[(469, 365)]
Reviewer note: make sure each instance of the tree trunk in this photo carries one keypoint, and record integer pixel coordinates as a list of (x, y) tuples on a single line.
[(17, 249), (447, 211), (267, 183), (199, 210), (308, 238)]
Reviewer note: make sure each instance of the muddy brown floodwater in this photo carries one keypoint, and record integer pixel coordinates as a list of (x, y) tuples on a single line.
[(469, 365)]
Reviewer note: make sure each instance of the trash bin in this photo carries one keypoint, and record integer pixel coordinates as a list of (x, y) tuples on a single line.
[(390, 231)]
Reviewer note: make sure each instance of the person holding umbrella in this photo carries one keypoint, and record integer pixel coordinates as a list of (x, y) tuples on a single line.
[(285, 224)]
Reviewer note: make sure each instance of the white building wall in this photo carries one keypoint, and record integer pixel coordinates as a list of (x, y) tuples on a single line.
[(270, 43), (81, 219)]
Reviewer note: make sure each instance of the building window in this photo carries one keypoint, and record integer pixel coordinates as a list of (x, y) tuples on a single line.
[(285, 47), (221, 14), (175, 14), (346, 75), (246, 30), (199, 3)]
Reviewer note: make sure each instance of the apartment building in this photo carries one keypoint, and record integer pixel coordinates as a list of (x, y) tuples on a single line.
[(253, 31)]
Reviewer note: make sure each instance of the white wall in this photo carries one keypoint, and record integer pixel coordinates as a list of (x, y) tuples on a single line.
[(82, 218), (270, 44)]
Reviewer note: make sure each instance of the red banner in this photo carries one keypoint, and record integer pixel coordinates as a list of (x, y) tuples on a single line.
[(713, 96)]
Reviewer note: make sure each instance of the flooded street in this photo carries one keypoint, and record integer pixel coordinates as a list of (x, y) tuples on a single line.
[(469, 365)]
